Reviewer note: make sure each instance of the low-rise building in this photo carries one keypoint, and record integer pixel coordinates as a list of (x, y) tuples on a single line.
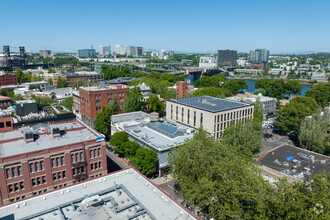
[(92, 99), (5, 102), (44, 157), (126, 194), (182, 89), (8, 79), (45, 53), (43, 85), (214, 114), (153, 133), (208, 62), (72, 78), (269, 103)]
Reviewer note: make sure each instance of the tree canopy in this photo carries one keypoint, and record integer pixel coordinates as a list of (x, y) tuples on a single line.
[(235, 85), (68, 103), (321, 93), (118, 138), (213, 91), (277, 88), (61, 83), (145, 160), (210, 81), (133, 100), (154, 104), (291, 115)]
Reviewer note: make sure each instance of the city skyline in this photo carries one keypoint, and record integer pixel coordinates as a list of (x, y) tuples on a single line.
[(187, 26)]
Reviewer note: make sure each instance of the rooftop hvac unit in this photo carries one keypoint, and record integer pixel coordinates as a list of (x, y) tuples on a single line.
[(93, 201)]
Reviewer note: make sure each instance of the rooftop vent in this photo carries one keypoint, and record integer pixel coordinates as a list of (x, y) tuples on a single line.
[(56, 132), (93, 201), (154, 116)]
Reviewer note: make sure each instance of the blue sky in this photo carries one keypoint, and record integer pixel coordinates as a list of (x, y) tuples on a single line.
[(181, 25)]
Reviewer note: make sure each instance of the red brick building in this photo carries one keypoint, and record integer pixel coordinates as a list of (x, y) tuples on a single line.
[(72, 78), (92, 99), (8, 79), (6, 123), (181, 89), (38, 159), (260, 66), (5, 102)]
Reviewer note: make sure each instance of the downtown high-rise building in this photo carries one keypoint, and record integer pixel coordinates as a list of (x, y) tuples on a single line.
[(131, 51), (259, 56), (119, 49), (139, 51), (104, 50), (227, 57)]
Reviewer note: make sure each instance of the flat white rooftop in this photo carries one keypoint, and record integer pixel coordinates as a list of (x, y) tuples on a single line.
[(79, 133), (123, 195)]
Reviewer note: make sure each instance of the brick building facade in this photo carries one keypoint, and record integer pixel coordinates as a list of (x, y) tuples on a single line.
[(53, 156), (8, 79), (72, 79), (5, 102), (92, 99)]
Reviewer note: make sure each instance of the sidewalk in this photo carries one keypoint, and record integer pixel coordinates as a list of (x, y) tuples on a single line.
[(162, 180)]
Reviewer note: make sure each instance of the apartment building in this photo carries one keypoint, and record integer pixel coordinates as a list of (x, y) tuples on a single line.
[(214, 114), (92, 99), (44, 157), (8, 79)]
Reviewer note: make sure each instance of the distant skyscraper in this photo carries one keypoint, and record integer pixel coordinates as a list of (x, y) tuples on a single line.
[(131, 51), (139, 51), (104, 50), (119, 50), (45, 53), (227, 57), (86, 53), (259, 56)]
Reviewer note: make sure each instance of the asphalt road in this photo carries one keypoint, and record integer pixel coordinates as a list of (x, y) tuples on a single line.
[(275, 141), (169, 188)]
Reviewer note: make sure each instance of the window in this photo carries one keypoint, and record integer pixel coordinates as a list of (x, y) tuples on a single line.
[(121, 100), (201, 118), (62, 160), (224, 117), (2, 124), (72, 158), (37, 166), (171, 111), (109, 101), (57, 161), (214, 128), (54, 176), (73, 172), (100, 164), (8, 173), (176, 113), (31, 168), (96, 96), (63, 174), (59, 175), (231, 115), (82, 169), (194, 118), (13, 170), (42, 167), (182, 115), (8, 124), (92, 166), (95, 155), (91, 153), (81, 156), (98, 102), (10, 188), (95, 166), (77, 157), (53, 162), (228, 116), (218, 127), (221, 117), (43, 179), (38, 181), (99, 151), (188, 116), (21, 185), (218, 118), (99, 96), (33, 182), (234, 115)]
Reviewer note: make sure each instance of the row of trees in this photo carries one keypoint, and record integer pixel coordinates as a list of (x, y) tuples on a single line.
[(277, 88), (222, 180), (141, 158)]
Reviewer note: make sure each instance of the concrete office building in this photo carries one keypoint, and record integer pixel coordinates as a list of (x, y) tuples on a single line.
[(131, 51), (268, 102), (44, 157), (119, 50), (208, 62), (139, 51), (45, 53), (259, 56), (104, 50), (227, 57), (126, 194), (86, 53), (153, 133), (92, 99), (214, 114)]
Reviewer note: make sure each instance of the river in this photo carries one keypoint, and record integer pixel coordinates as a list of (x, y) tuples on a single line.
[(252, 87)]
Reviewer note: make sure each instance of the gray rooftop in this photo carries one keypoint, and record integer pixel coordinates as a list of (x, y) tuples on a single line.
[(208, 103), (122, 195), (45, 141)]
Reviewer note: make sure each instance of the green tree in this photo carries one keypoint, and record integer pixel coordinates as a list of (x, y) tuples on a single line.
[(291, 115), (130, 148), (313, 132), (154, 104), (145, 160), (51, 70), (214, 178), (235, 85), (210, 81), (43, 100), (68, 103), (50, 81), (213, 91), (103, 121), (277, 88), (61, 83), (118, 138), (133, 101), (257, 91), (321, 93)]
